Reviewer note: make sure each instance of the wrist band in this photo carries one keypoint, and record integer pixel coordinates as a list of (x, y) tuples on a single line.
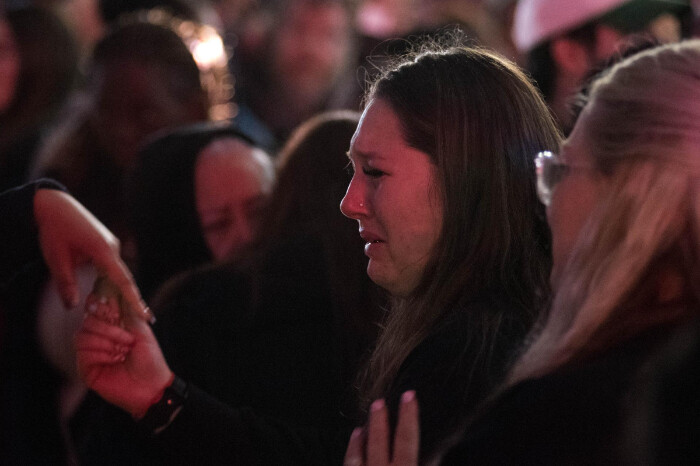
[(162, 413)]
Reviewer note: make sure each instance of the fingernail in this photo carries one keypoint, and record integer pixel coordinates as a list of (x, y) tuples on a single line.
[(377, 405), (356, 432), (408, 396), (103, 299)]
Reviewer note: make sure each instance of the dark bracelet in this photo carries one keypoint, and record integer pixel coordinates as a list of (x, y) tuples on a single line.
[(162, 413)]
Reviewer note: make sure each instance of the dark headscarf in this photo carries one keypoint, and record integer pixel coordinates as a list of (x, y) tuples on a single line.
[(161, 201)]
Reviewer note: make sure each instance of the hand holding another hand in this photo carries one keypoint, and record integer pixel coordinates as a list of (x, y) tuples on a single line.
[(119, 357)]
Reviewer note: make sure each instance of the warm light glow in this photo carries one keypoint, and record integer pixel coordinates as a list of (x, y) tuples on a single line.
[(208, 48), (209, 53)]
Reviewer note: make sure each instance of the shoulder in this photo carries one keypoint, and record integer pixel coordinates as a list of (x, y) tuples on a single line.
[(486, 324), (466, 355), (576, 412)]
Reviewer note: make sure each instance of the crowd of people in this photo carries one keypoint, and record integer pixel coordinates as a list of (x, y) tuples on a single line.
[(369, 232)]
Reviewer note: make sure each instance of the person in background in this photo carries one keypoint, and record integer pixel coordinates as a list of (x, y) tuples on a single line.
[(564, 40), (143, 79), (199, 26), (39, 68), (195, 196), (293, 60)]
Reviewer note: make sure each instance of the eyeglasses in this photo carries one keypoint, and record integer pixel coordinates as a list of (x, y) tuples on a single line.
[(550, 171)]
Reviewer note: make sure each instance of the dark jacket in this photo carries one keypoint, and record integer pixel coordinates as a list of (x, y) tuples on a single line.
[(456, 368), (29, 425), (576, 415), (17, 231)]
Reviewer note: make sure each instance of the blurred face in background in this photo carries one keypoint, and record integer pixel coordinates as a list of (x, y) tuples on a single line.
[(9, 65), (133, 101), (232, 182), (312, 48)]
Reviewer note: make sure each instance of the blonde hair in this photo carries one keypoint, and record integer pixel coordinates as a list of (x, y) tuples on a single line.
[(643, 134)]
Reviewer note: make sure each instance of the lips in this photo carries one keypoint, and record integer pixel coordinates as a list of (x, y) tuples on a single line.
[(373, 243), (370, 237)]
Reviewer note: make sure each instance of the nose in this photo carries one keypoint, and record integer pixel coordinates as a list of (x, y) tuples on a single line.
[(354, 203)]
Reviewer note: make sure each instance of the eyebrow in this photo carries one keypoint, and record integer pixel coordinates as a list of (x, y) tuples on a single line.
[(363, 155)]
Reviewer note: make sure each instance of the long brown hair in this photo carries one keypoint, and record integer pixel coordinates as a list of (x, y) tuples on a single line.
[(481, 121)]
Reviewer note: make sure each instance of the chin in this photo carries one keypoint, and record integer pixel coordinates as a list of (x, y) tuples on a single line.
[(397, 285), (380, 279)]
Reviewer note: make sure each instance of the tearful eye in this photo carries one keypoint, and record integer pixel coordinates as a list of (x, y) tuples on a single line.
[(372, 172)]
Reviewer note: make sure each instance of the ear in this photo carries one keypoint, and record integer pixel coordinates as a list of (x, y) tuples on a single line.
[(571, 57)]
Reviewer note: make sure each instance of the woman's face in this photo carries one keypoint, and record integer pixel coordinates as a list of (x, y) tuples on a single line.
[(232, 181), (393, 197), (575, 195)]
